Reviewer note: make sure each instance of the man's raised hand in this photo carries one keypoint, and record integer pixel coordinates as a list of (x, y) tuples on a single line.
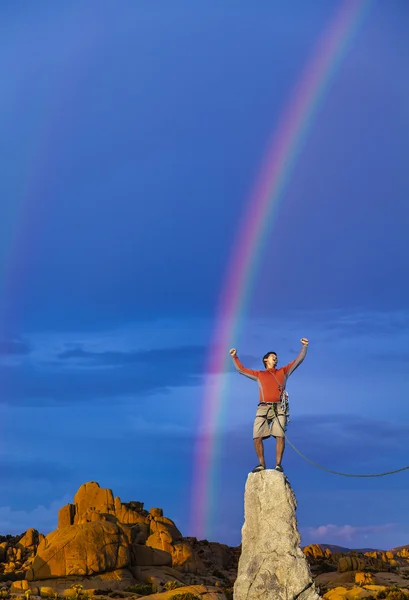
[(304, 341), (233, 352)]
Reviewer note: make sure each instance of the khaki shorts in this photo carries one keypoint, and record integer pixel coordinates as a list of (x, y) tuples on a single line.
[(266, 421)]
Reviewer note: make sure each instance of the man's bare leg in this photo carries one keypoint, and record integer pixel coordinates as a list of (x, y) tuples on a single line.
[(259, 448), (280, 444)]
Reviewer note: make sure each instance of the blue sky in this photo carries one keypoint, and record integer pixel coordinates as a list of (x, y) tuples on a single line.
[(130, 143)]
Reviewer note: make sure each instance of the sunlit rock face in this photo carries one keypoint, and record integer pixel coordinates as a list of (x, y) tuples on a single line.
[(272, 565)]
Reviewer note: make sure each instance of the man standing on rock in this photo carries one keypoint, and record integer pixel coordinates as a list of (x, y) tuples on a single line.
[(271, 417)]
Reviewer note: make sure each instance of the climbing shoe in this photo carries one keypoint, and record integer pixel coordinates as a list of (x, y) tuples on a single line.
[(258, 468), (279, 468)]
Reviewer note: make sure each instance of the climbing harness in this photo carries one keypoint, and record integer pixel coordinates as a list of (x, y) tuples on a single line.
[(284, 403)]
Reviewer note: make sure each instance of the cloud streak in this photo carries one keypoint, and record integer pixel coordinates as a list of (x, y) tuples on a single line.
[(345, 533), (153, 357), (81, 375), (43, 518), (13, 347), (15, 470)]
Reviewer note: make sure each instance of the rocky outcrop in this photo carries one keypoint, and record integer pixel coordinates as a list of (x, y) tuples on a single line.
[(93, 503), (17, 552), (316, 551), (374, 561), (84, 549), (382, 558), (351, 563), (321, 560), (218, 559), (364, 579), (272, 565), (402, 552), (353, 593), (98, 534)]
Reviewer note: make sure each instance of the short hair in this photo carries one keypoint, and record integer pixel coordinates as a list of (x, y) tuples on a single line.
[(267, 355)]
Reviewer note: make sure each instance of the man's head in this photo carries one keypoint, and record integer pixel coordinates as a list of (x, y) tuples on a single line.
[(270, 360)]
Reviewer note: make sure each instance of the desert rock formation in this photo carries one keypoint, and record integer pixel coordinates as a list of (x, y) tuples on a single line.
[(105, 543), (272, 564), (99, 533)]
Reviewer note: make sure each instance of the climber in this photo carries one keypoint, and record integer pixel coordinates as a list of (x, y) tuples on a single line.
[(272, 410)]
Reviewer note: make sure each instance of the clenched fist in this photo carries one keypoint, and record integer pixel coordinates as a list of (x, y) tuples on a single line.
[(304, 341), (233, 352)]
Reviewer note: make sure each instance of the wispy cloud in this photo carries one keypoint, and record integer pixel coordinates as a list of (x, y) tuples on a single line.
[(17, 469), (43, 518), (152, 357), (345, 533), (157, 427), (27, 385), (11, 347), (79, 374)]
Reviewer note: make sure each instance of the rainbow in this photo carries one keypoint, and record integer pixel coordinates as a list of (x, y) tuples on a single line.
[(262, 207)]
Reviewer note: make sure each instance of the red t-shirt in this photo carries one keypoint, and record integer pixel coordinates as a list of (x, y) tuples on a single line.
[(271, 382)]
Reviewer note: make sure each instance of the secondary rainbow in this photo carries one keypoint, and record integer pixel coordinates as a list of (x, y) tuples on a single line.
[(262, 206)]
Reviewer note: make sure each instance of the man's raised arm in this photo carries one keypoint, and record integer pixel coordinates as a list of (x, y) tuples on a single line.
[(290, 368), (239, 366)]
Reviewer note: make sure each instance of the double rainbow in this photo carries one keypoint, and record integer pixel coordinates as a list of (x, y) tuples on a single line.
[(262, 207)]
